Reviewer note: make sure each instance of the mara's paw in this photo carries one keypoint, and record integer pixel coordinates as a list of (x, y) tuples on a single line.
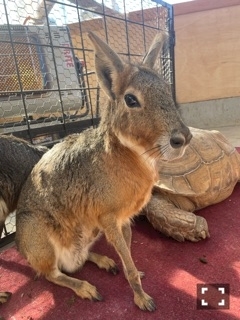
[(145, 302), (4, 296), (87, 291), (141, 274), (104, 262), (110, 265)]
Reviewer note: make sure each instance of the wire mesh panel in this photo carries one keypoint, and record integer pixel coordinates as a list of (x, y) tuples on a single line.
[(48, 86), (28, 63)]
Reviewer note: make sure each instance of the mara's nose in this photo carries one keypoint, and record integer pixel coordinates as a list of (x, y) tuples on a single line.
[(180, 138)]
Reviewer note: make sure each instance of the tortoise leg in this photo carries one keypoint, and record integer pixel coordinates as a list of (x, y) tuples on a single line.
[(174, 222)]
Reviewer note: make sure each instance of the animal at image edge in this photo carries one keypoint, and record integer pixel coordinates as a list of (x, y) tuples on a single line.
[(96, 182), (17, 158)]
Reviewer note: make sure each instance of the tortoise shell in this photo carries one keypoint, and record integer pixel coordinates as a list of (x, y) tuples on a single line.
[(206, 174)]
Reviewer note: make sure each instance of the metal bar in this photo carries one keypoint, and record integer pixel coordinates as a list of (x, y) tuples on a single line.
[(88, 84), (16, 65), (170, 25), (172, 51), (144, 35), (126, 28), (54, 61), (42, 91)]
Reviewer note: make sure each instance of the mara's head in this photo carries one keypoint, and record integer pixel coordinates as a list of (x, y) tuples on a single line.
[(141, 111)]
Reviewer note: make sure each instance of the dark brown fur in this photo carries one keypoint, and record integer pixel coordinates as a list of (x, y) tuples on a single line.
[(17, 158), (97, 181)]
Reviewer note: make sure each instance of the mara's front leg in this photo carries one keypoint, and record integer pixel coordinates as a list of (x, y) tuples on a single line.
[(127, 234), (116, 236)]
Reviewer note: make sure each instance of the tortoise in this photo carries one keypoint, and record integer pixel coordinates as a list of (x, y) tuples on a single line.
[(206, 174)]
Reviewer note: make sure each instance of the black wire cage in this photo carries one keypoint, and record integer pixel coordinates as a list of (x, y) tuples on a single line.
[(48, 87)]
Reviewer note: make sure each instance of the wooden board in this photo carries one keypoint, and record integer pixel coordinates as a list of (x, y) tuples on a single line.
[(207, 54)]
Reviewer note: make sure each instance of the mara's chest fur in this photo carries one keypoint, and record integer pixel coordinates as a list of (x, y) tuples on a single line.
[(131, 186)]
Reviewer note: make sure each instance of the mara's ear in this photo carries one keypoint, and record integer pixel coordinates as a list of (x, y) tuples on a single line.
[(154, 50), (107, 64)]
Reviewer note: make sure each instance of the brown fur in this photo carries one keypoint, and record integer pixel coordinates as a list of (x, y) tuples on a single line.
[(97, 181)]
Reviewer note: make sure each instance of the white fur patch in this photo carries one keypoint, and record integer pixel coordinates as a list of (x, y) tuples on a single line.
[(72, 258), (141, 151)]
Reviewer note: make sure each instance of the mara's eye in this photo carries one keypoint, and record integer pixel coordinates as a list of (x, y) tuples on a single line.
[(131, 101)]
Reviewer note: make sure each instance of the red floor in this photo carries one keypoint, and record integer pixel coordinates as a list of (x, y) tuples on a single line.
[(172, 269)]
